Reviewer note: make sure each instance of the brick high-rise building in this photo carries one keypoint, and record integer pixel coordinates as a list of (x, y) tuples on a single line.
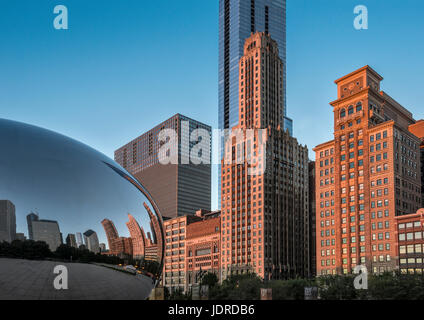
[(111, 235), (138, 237), (118, 246), (365, 177), (237, 20), (174, 268), (312, 220), (180, 188), (410, 242), (203, 247), (265, 216), (177, 273), (418, 130)]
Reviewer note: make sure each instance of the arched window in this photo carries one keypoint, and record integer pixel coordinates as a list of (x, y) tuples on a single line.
[(350, 110), (343, 113), (358, 107)]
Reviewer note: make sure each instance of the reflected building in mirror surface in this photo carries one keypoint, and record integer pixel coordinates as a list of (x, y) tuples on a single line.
[(7, 221), (74, 188), (92, 241), (47, 231)]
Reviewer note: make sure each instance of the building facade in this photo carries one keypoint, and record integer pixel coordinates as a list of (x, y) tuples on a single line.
[(238, 19), (418, 130), (177, 272), (30, 218), (365, 177), (138, 237), (7, 221), (174, 273), (312, 220), (178, 188), (71, 240), (92, 241), (20, 236), (45, 230), (264, 203), (410, 242), (203, 248), (80, 240)]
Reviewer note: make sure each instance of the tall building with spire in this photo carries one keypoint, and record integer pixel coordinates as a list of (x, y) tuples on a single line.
[(264, 176), (238, 19)]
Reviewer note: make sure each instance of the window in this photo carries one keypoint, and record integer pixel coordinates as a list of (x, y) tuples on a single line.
[(343, 113)]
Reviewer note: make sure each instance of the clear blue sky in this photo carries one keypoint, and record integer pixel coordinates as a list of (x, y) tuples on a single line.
[(124, 66)]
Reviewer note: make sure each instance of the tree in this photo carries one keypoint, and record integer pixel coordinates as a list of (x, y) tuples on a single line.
[(337, 287), (210, 279), (293, 289), (237, 287)]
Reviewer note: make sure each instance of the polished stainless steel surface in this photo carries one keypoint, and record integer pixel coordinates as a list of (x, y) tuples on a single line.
[(82, 205)]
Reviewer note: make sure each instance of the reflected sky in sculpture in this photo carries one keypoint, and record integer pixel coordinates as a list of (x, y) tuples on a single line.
[(64, 180)]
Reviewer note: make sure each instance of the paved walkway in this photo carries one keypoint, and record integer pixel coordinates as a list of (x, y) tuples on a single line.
[(33, 280)]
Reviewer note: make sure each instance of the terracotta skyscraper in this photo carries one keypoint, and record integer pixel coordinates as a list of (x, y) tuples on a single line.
[(365, 177), (264, 202)]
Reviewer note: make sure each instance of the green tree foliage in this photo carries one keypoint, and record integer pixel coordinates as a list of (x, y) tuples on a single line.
[(289, 289), (389, 286), (337, 287), (237, 287)]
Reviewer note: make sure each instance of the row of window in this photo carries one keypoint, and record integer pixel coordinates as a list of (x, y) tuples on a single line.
[(410, 236)]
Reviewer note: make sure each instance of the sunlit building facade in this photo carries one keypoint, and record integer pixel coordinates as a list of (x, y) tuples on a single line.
[(264, 205), (203, 247), (410, 242), (238, 19), (178, 188), (365, 177)]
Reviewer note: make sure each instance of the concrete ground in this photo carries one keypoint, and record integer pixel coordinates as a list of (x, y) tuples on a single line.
[(33, 280)]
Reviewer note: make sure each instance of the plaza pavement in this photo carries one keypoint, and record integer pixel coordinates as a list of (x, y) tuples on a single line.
[(33, 280)]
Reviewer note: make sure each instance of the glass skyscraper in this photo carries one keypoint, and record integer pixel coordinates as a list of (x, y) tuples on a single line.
[(237, 20)]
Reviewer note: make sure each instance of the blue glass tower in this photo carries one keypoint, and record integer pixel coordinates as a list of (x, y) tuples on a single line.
[(237, 20)]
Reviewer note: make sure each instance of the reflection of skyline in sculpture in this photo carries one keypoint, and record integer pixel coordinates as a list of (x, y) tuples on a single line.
[(65, 181), (7, 221), (156, 230), (31, 217), (44, 230), (73, 187), (80, 242), (92, 241), (71, 240), (138, 237), (137, 246), (118, 246)]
